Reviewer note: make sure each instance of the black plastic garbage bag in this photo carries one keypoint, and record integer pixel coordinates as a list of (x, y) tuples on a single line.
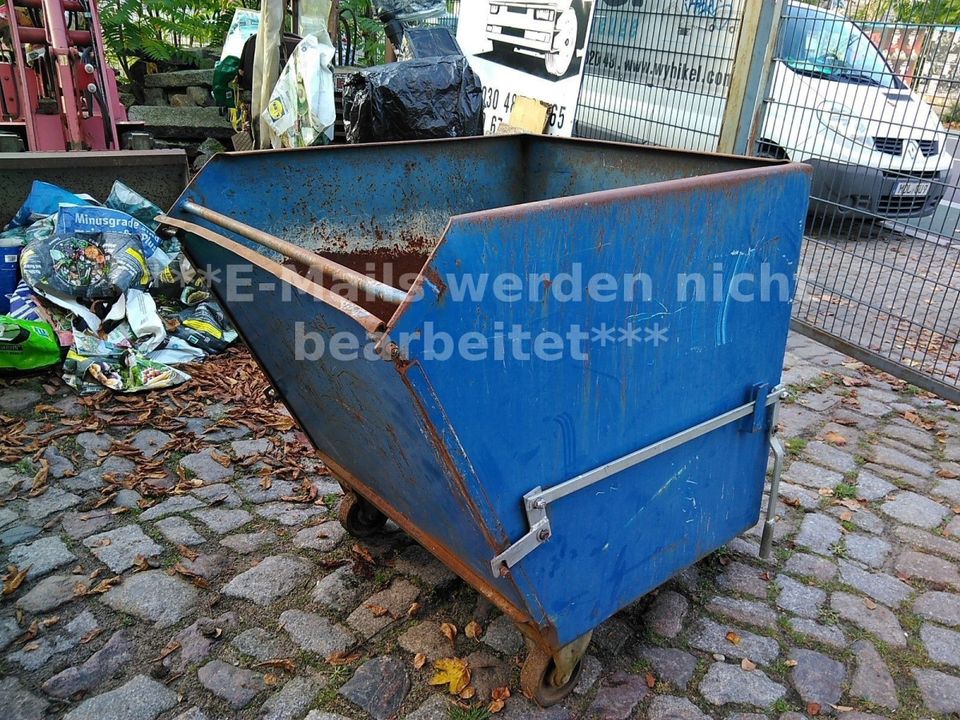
[(428, 42), (413, 100)]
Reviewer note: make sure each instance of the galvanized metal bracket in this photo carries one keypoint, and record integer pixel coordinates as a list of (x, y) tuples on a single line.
[(536, 510), (776, 446), (536, 501)]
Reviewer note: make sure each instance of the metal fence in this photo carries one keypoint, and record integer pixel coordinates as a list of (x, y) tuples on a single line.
[(866, 101), (659, 71)]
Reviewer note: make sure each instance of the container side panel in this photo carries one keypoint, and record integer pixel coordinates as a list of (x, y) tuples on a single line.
[(345, 199), (558, 169), (655, 309), (357, 411)]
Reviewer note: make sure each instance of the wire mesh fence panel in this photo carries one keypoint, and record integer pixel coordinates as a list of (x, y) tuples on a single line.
[(659, 71), (866, 98)]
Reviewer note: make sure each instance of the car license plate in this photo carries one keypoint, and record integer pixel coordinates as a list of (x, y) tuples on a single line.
[(911, 188)]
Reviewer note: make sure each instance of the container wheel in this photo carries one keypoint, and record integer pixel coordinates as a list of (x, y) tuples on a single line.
[(542, 681), (565, 36), (358, 517)]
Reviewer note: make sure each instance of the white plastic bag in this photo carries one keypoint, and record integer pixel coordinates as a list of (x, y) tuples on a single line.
[(245, 24), (301, 111)]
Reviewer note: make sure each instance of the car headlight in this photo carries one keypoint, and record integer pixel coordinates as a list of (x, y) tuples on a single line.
[(842, 121), (543, 15), (494, 9)]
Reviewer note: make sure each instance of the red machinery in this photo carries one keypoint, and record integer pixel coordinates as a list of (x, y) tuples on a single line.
[(56, 90)]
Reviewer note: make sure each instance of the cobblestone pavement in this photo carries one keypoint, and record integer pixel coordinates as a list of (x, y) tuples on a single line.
[(183, 560)]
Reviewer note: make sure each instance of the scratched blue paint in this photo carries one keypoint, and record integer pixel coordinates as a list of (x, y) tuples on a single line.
[(505, 427)]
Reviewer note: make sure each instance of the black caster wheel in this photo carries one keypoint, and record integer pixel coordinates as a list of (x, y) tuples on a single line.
[(540, 682), (358, 517)]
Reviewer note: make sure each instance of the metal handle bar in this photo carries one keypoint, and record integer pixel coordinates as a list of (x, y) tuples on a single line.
[(332, 269)]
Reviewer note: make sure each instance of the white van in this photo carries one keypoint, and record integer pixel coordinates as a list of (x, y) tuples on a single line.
[(661, 76)]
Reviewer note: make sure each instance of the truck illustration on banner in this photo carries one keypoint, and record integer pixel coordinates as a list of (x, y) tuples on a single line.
[(554, 30)]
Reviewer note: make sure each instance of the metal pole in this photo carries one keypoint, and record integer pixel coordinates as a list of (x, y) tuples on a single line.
[(333, 270), (758, 40), (60, 51)]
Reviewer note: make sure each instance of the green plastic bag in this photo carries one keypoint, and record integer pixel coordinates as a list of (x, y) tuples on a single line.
[(26, 345), (224, 75)]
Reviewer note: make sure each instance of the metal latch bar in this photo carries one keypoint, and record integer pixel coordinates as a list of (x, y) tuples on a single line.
[(535, 502)]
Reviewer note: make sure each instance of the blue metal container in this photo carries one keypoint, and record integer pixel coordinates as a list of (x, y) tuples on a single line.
[(562, 484)]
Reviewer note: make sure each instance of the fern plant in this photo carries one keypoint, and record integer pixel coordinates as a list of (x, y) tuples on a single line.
[(371, 40), (162, 30)]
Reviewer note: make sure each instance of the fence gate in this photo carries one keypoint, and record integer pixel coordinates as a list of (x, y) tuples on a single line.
[(865, 93)]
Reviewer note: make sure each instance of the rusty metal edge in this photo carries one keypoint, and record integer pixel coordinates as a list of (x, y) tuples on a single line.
[(520, 138), (632, 192), (444, 554), (369, 322), (514, 138)]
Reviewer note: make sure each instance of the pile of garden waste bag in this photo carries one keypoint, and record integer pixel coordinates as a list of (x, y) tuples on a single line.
[(97, 280)]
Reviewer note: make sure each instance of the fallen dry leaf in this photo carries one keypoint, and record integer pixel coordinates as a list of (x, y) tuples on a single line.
[(104, 585), (846, 516), (473, 630), (169, 648), (52, 620), (413, 609), (748, 665), (452, 672), (853, 382), (191, 575), (377, 610), (791, 502), (813, 709), (733, 638), (790, 663), (449, 631), (650, 679), (419, 660), (871, 605), (187, 552), (495, 706), (342, 657), (948, 474), (835, 438), (88, 636), (270, 679), (39, 484), (825, 492), (468, 692), (31, 646), (14, 578), (364, 554), (919, 421), (500, 693), (842, 708)]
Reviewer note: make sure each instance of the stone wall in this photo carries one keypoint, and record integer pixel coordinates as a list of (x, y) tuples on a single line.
[(179, 112)]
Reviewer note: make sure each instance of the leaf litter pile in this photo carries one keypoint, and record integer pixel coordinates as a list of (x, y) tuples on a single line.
[(233, 381)]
